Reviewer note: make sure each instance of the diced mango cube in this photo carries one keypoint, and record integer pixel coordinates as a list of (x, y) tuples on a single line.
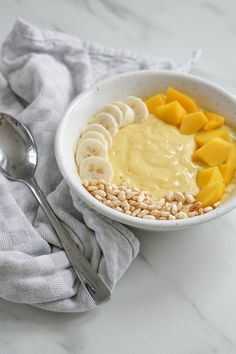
[(193, 122), (202, 138), (186, 102), (163, 96), (227, 173), (211, 194), (231, 159), (215, 152), (208, 175), (214, 121), (171, 113), (195, 156), (153, 102)]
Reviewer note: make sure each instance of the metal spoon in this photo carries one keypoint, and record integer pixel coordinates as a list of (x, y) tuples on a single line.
[(18, 161)]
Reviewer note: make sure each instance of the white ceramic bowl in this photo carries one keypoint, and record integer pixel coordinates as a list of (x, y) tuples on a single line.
[(143, 84)]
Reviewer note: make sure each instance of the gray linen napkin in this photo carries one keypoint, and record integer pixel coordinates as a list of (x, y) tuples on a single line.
[(43, 71)]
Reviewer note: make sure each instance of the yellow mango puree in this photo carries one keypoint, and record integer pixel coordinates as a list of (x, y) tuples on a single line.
[(157, 157), (154, 156)]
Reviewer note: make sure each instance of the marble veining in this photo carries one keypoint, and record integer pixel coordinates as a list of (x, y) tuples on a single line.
[(127, 14), (211, 328), (211, 6), (179, 295)]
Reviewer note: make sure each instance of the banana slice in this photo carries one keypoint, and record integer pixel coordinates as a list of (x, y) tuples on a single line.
[(115, 111), (95, 168), (128, 112), (108, 121), (94, 135), (100, 129), (139, 107), (90, 147)]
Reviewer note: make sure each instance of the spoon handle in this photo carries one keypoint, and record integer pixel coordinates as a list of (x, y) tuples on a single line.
[(94, 286)]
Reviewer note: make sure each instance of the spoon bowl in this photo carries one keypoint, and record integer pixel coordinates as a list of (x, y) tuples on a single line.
[(18, 155)]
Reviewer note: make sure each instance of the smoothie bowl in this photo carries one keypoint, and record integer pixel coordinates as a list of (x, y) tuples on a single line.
[(153, 150)]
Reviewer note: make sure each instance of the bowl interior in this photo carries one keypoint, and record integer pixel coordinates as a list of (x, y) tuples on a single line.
[(142, 84)]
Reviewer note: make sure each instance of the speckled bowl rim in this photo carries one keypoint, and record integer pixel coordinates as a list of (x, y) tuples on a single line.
[(154, 225)]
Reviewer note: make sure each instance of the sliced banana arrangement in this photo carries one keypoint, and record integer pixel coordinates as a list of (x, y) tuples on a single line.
[(139, 108), (94, 135), (94, 168), (127, 113), (115, 111), (92, 148), (108, 121), (100, 129)]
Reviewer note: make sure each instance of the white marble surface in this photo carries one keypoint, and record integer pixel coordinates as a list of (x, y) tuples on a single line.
[(179, 296)]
